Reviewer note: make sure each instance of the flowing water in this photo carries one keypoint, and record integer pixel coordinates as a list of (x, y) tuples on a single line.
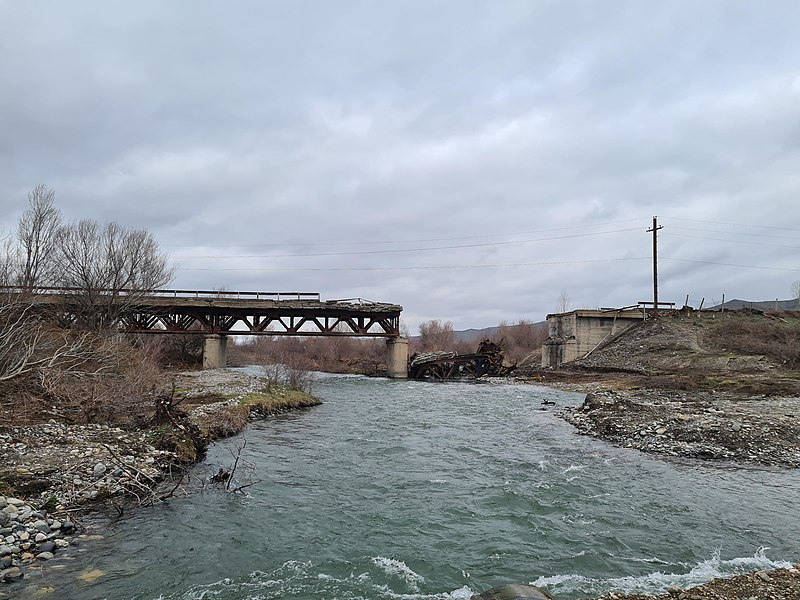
[(405, 490)]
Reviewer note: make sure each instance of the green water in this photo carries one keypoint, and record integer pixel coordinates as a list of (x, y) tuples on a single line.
[(408, 490)]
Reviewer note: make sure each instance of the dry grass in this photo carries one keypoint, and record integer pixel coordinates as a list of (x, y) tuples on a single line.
[(777, 338)]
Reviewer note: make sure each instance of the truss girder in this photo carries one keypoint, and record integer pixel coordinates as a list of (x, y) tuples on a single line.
[(233, 321)]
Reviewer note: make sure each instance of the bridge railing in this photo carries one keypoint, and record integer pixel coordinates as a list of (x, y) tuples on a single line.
[(311, 296)]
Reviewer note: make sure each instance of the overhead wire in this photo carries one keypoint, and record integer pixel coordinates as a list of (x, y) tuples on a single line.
[(731, 224), (779, 237), (415, 268), (411, 241), (699, 237), (709, 262), (402, 250)]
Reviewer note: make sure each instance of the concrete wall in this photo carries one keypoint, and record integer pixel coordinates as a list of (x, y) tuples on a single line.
[(574, 334)]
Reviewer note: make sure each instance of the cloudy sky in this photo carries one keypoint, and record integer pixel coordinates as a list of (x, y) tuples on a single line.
[(469, 160)]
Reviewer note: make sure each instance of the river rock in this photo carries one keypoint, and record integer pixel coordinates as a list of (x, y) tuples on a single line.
[(67, 527), (47, 547), (3, 502), (11, 574), (15, 502), (39, 537), (41, 526), (513, 592), (4, 519), (99, 469), (45, 555), (6, 562)]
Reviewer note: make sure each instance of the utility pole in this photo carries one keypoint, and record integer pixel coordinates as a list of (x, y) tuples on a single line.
[(655, 229)]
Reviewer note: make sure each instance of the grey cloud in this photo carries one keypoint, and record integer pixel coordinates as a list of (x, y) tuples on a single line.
[(224, 126)]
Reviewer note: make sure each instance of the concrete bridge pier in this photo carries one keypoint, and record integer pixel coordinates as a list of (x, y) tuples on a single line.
[(397, 358), (215, 351)]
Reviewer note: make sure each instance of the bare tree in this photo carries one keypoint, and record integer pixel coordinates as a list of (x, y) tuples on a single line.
[(36, 237), (7, 262), (796, 291), (564, 304), (436, 335), (110, 268), (27, 345)]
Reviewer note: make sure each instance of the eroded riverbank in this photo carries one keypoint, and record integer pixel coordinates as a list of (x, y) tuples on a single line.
[(52, 473)]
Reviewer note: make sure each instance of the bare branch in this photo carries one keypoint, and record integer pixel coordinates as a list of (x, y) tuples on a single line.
[(36, 233)]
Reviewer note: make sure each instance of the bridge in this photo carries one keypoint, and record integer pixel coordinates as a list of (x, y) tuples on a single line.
[(219, 314)]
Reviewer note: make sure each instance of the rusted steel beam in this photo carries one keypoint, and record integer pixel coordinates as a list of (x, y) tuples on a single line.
[(235, 316)]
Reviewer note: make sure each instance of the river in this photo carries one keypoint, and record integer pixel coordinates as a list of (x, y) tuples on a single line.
[(412, 490)]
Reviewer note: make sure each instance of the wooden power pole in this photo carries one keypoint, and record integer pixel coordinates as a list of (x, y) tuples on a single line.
[(655, 229)]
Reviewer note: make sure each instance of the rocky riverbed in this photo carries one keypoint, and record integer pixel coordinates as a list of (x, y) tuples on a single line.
[(52, 472), (704, 425)]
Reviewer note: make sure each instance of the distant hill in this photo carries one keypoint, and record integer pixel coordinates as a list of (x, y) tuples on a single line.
[(476, 335), (472, 335), (736, 304)]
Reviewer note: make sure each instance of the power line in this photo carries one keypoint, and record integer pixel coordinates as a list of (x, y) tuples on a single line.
[(708, 262), (779, 237), (734, 224), (412, 241), (420, 268), (698, 237), (400, 250)]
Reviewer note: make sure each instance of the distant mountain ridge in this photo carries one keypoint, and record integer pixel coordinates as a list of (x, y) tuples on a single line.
[(736, 304), (475, 335)]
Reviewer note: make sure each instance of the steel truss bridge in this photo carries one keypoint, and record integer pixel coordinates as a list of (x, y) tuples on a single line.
[(228, 313)]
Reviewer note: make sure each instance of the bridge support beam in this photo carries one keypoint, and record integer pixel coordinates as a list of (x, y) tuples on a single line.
[(215, 352), (397, 358)]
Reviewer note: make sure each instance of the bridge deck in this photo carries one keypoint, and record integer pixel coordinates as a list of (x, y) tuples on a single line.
[(236, 313)]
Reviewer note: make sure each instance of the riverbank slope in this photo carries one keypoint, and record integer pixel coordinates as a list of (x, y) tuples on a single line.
[(52, 473)]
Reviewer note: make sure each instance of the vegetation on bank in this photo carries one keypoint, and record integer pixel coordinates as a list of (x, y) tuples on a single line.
[(521, 343), (90, 373), (232, 418)]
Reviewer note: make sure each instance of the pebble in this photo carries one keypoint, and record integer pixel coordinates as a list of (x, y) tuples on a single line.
[(32, 536)]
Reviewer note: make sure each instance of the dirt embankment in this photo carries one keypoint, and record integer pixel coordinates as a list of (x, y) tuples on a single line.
[(696, 385)]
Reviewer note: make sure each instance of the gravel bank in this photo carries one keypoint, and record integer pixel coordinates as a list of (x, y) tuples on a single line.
[(52, 472), (703, 425)]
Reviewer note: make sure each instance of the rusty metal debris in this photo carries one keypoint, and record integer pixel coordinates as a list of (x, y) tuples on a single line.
[(488, 361)]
